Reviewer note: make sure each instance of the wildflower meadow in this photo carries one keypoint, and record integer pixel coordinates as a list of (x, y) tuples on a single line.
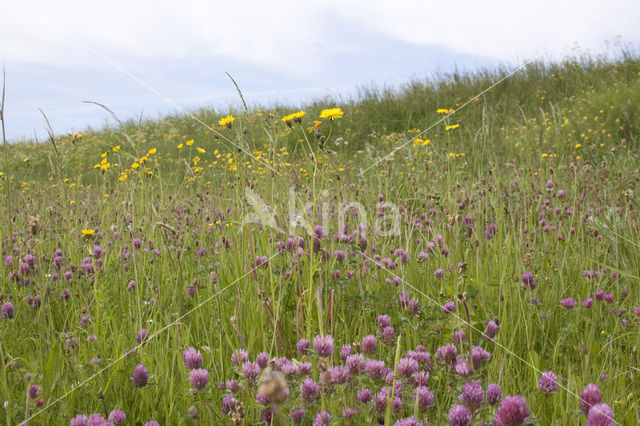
[(435, 253)]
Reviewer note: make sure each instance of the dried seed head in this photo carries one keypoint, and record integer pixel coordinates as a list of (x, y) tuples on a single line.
[(192, 412), (273, 385), (527, 259), (34, 226)]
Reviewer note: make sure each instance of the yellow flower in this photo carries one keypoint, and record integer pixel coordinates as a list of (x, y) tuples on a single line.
[(123, 177), (196, 160), (151, 151), (116, 148), (298, 115), (287, 119), (226, 121), (189, 142), (26, 160), (451, 127), (103, 155), (200, 150), (578, 145), (71, 202), (180, 146), (88, 232), (135, 165), (331, 113), (444, 111)]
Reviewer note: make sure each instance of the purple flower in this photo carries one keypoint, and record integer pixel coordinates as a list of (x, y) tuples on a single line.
[(448, 307), (355, 363), (589, 397), (309, 389), (600, 415), (140, 376), (479, 356), (348, 412), (302, 346), (528, 280), (609, 298), (363, 395), (345, 352), (388, 336), (458, 336), (414, 307), (493, 394), (79, 420), (406, 367), (8, 260), (425, 398), (34, 391), (6, 311), (322, 419), (369, 344), (472, 395), (548, 383), (339, 374), (297, 415), (447, 353), (460, 416), (152, 423), (96, 419), (117, 417), (491, 330), (192, 358), (463, 369), (421, 378), (569, 303), (251, 370), (376, 369), (239, 356), (586, 303), (323, 345), (198, 378), (549, 184), (513, 411), (262, 359), (383, 321), (438, 273), (142, 335)]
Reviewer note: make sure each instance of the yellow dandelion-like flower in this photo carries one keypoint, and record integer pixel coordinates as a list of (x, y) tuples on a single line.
[(26, 160), (578, 145), (88, 232), (116, 148), (123, 177), (180, 146), (287, 118), (103, 155), (331, 113), (226, 121), (452, 126), (298, 115), (135, 165), (189, 142), (444, 111), (200, 150), (151, 151)]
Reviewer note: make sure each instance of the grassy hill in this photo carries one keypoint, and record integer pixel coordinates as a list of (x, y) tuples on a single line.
[(416, 244)]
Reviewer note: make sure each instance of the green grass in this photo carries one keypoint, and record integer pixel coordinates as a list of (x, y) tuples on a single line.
[(574, 123)]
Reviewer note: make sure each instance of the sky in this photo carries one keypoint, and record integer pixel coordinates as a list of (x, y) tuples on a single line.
[(152, 58)]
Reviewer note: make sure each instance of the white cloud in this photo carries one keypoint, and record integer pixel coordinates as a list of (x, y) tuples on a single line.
[(281, 34)]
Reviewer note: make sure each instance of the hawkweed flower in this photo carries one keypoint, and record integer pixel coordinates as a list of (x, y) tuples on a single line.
[(513, 411), (493, 394), (459, 415), (226, 121), (589, 397), (192, 358), (331, 113), (548, 383), (600, 415), (198, 378), (140, 376)]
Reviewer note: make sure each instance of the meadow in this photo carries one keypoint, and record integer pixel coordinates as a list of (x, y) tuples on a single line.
[(415, 255)]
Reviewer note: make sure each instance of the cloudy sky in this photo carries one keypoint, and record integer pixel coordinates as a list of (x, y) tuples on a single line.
[(157, 57)]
